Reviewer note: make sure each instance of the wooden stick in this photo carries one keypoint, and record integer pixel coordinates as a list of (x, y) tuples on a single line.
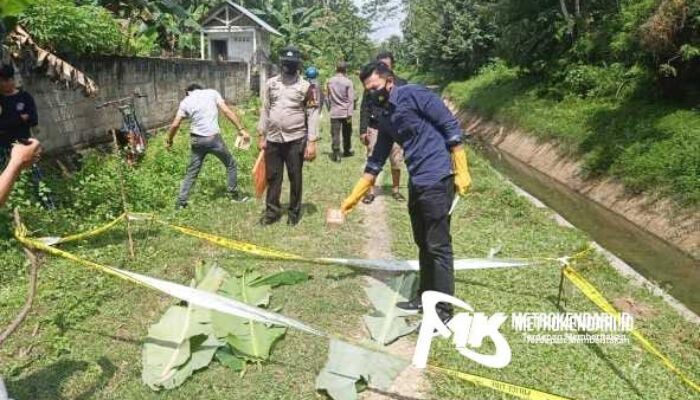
[(35, 263), (132, 253)]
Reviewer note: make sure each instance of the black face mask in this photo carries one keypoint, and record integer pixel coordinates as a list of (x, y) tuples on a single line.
[(289, 67), (380, 96)]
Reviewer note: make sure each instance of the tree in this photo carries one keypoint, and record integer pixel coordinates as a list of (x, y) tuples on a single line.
[(455, 37)]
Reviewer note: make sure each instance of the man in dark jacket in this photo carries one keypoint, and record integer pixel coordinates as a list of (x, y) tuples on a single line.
[(431, 137), (18, 112)]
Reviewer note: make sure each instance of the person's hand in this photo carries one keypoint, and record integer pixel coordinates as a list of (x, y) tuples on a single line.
[(262, 143), (463, 179), (168, 144), (25, 117), (358, 192), (26, 154), (310, 153), (364, 138)]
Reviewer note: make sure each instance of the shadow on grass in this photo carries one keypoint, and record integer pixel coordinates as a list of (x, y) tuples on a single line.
[(49, 382), (493, 96), (613, 130), (598, 351), (135, 342), (511, 292)]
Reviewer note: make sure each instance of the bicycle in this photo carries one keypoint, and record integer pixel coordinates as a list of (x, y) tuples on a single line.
[(131, 136)]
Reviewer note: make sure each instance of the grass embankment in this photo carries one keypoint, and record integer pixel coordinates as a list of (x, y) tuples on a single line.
[(649, 144), (494, 216), (83, 338)]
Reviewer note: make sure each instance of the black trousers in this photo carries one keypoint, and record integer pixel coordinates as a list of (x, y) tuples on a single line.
[(277, 155), (343, 125), (429, 208)]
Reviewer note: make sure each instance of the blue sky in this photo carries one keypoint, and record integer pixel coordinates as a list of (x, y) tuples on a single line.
[(385, 28)]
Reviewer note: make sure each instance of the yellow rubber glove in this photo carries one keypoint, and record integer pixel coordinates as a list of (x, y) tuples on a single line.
[(361, 188), (462, 178)]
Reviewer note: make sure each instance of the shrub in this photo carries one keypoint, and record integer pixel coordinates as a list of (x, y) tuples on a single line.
[(65, 28)]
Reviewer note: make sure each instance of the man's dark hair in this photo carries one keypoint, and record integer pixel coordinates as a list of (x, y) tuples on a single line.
[(383, 55), (7, 71), (193, 87), (375, 67), (342, 67)]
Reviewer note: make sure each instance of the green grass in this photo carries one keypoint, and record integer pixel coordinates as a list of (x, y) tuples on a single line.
[(494, 215), (90, 327), (650, 145)]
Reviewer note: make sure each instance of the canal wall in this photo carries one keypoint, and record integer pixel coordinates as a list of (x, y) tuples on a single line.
[(654, 214)]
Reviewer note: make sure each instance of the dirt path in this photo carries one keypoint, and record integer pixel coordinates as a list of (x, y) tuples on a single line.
[(411, 384)]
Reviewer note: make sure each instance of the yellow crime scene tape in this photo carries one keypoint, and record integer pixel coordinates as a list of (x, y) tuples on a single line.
[(590, 291), (599, 300), (500, 386), (41, 245)]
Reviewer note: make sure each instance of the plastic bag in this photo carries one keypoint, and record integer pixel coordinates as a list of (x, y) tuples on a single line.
[(260, 175)]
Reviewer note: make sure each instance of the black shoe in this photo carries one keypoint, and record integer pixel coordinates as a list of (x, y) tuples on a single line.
[(238, 197), (398, 197), (336, 156), (413, 306), (369, 199), (348, 153), (293, 221), (180, 205), (266, 220), (445, 316)]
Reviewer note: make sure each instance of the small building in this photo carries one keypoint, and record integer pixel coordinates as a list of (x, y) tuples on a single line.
[(230, 32)]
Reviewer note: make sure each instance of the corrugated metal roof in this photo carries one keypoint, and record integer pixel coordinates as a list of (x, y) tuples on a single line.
[(243, 11)]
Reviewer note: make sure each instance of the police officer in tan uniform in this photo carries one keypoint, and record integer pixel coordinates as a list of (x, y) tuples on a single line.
[(288, 130)]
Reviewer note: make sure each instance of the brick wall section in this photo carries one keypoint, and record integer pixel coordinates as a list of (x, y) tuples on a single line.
[(69, 120)]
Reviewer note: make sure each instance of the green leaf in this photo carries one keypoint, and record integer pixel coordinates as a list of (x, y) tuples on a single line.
[(182, 341), (239, 288), (227, 358), (386, 331), (388, 323), (167, 347), (255, 340), (348, 364), (252, 339), (282, 278)]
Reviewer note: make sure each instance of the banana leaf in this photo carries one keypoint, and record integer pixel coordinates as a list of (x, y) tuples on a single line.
[(247, 338), (388, 322), (348, 365), (182, 341)]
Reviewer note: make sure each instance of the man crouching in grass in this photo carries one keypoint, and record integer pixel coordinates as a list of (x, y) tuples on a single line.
[(202, 107)]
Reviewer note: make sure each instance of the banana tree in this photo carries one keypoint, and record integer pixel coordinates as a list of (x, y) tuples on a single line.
[(296, 24)]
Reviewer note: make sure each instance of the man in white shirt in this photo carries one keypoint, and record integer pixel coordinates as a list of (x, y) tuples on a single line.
[(201, 107)]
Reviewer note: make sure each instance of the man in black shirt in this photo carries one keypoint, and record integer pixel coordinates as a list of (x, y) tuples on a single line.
[(17, 111)]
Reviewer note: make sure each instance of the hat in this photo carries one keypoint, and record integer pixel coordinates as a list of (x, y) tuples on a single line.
[(290, 54), (7, 71), (311, 73)]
